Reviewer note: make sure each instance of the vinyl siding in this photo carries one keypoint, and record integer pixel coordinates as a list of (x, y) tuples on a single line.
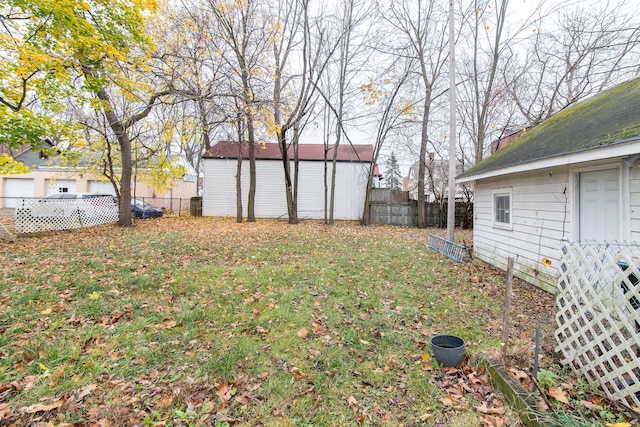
[(541, 215), (219, 189)]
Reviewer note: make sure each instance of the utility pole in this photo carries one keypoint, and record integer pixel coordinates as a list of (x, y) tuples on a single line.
[(451, 214)]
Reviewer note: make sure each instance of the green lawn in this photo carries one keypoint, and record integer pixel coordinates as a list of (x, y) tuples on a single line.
[(200, 321)]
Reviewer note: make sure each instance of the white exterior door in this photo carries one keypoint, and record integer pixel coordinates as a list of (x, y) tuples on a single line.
[(61, 186), (600, 206), (16, 188)]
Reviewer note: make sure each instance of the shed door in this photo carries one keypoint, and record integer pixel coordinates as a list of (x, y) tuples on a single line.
[(600, 206)]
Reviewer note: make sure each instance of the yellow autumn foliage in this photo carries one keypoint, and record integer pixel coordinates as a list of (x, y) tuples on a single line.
[(10, 166)]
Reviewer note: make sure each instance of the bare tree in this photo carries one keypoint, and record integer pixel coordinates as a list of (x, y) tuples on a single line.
[(484, 72), (394, 112), (242, 43), (422, 29), (353, 19), (587, 49), (294, 92)]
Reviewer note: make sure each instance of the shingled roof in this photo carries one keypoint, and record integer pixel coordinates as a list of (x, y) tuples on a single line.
[(271, 151), (607, 119)]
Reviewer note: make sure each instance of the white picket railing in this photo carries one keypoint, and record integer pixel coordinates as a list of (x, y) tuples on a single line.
[(598, 316), (64, 214)]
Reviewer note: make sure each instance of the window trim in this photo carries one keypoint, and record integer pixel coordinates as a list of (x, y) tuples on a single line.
[(502, 192)]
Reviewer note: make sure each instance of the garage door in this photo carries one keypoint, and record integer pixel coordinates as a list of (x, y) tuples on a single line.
[(15, 189), (101, 188), (61, 186)]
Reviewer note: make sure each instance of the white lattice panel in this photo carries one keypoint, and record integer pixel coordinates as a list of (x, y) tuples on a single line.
[(64, 214), (598, 316)]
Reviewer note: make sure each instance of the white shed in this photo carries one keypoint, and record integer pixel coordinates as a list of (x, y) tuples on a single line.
[(219, 180), (575, 176)]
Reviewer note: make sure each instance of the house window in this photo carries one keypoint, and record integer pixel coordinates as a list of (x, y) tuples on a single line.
[(502, 208)]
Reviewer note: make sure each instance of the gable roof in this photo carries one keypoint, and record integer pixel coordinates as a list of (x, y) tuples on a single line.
[(309, 152), (606, 120)]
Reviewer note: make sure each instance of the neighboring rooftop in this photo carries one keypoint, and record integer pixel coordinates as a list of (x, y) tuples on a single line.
[(609, 118), (271, 151)]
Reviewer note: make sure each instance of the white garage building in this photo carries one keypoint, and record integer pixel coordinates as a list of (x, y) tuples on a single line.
[(220, 169)]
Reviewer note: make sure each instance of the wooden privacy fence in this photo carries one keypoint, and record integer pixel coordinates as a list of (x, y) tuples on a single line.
[(598, 316), (394, 207)]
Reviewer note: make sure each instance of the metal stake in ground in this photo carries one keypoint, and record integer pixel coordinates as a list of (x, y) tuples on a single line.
[(507, 306)]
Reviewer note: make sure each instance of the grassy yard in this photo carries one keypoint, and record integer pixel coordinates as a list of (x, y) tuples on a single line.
[(200, 321)]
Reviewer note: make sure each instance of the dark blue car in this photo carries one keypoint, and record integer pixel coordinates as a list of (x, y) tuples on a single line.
[(141, 209)]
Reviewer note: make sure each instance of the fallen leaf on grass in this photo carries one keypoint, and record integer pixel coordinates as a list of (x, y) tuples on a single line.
[(222, 418), (303, 332), (518, 374), (86, 390), (59, 373), (447, 401), (297, 373), (43, 408), (222, 391), (558, 394), (490, 421), (167, 324), (618, 425), (590, 405), (490, 411), (352, 401)]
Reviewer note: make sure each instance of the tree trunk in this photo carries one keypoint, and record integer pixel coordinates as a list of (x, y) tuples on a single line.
[(116, 125), (205, 126), (124, 217), (366, 211), (292, 208), (334, 162), (424, 140), (239, 175), (251, 215)]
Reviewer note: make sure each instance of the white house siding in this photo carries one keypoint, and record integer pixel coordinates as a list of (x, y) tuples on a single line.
[(219, 189), (541, 215)]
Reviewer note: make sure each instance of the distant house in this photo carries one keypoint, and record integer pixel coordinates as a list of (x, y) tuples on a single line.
[(219, 186), (436, 180), (575, 176), (45, 178)]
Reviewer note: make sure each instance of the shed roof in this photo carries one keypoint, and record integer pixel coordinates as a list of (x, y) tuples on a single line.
[(271, 151), (605, 120)]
